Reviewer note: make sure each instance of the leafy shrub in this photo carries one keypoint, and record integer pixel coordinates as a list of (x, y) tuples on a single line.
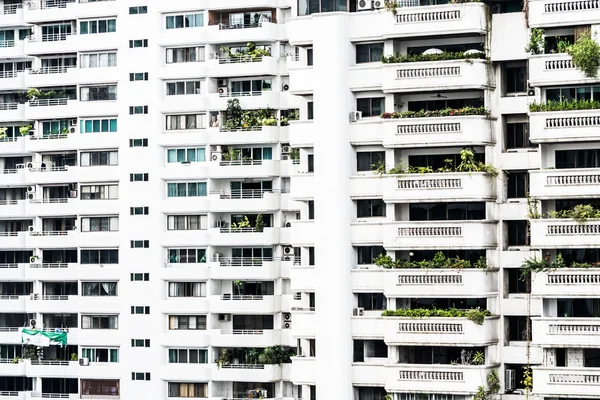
[(446, 112), (447, 55), (536, 41), (586, 55), (476, 315), (565, 105)]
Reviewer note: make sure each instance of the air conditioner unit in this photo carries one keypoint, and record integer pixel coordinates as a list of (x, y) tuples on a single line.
[(285, 87), (72, 186), (510, 380), (221, 224), (287, 325), (224, 317), (287, 317), (288, 224), (30, 196), (288, 250), (32, 322), (30, 165), (355, 116), (31, 229), (215, 156), (358, 311), (73, 194), (222, 91), (215, 149), (72, 129), (222, 82), (364, 5), (84, 361), (286, 149), (377, 4), (73, 123), (31, 189), (285, 157)]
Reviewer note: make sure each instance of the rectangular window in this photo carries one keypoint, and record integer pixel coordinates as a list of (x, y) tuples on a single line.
[(515, 79), (185, 54), (196, 390), (371, 107), (96, 388), (310, 114), (97, 125), (140, 244), (186, 155), (98, 288), (309, 57), (181, 88), (140, 342), (187, 222), (311, 163), (180, 21), (138, 142), (99, 192), (138, 177), (98, 60), (95, 158), (97, 26), (103, 256), (188, 356), (99, 224), (138, 43), (367, 254), (138, 76), (187, 322), (100, 354), (517, 233), (98, 93), (139, 210), (517, 184), (187, 289), (186, 189), (138, 10), (186, 256), (99, 322), (186, 122), (134, 110), (517, 136), (371, 52), (369, 160), (140, 310), (372, 301), (370, 208), (140, 376), (140, 277)]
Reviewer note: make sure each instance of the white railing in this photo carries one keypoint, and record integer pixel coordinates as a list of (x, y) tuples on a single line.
[(8, 106), (242, 331), (37, 296), (52, 168), (50, 265), (583, 379), (240, 26), (9, 394), (10, 233), (9, 265), (237, 230), (428, 16), (243, 366), (237, 60), (566, 6), (48, 102), (240, 162), (50, 37), (573, 122), (575, 229), (49, 233), (50, 362), (564, 180), (11, 8), (412, 129), (242, 129), (309, 309), (48, 201), (7, 43), (429, 231), (573, 279), (553, 65), (9, 297), (429, 327), (9, 329), (243, 261), (54, 329), (43, 5), (52, 70), (50, 136), (430, 376), (9, 202), (572, 329), (53, 395), (9, 74), (453, 279), (241, 94), (243, 193), (242, 297), (412, 73), (449, 183)]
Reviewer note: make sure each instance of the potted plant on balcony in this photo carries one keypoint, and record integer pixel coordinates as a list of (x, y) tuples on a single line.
[(224, 358), (3, 133), (586, 55), (25, 130), (259, 225)]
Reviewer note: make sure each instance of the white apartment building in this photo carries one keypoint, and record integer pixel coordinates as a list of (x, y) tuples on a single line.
[(298, 199)]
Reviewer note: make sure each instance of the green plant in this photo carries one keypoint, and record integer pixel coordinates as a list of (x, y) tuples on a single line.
[(224, 358), (295, 154), (238, 286), (387, 397), (469, 164), (24, 130), (392, 6), (259, 224), (527, 379), (481, 263), (379, 168), (232, 154), (400, 168), (478, 358), (480, 394), (446, 112), (536, 41), (16, 360), (244, 223), (493, 381), (565, 105), (580, 213), (534, 265), (447, 55), (563, 45), (74, 357), (33, 94), (234, 114), (385, 261), (586, 55), (3, 132), (475, 315)]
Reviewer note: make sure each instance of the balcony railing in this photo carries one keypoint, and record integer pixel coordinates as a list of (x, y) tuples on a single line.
[(242, 129), (7, 43), (48, 102), (52, 70), (240, 162), (242, 297), (49, 233), (48, 201), (238, 230), (53, 168), (430, 231), (9, 329), (10, 234), (9, 265), (428, 16), (9, 202), (10, 74), (241, 94), (9, 297), (37, 296), (243, 366), (239, 60), (49, 265), (8, 106), (50, 362), (242, 331), (9, 394), (43, 5), (240, 26), (243, 193), (243, 261), (11, 8), (50, 37)]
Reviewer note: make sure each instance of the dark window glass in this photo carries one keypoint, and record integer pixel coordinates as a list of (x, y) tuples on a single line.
[(446, 211), (517, 185), (517, 233), (372, 301), (516, 79), (371, 107), (517, 136), (311, 209), (370, 208), (310, 110), (369, 160), (515, 283), (311, 163), (589, 158), (371, 52), (309, 57), (366, 254)]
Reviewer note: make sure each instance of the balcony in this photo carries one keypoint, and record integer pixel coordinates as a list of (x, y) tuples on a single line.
[(554, 184), (7, 368), (250, 200), (52, 76), (244, 169), (12, 80), (52, 239), (302, 134), (242, 66), (407, 235), (566, 282), (226, 237), (183, 271), (564, 233), (12, 15), (236, 268), (52, 43), (301, 79), (12, 112), (12, 303), (185, 372), (566, 382), (449, 186), (549, 13), (564, 126), (69, 9), (47, 109), (466, 282), (253, 134), (13, 272), (467, 130), (12, 49), (185, 305), (51, 271), (566, 332), (246, 373), (12, 208), (428, 331), (38, 303), (13, 240), (303, 370), (304, 323), (264, 32), (435, 378), (51, 368), (244, 338), (554, 69), (245, 304), (435, 76)]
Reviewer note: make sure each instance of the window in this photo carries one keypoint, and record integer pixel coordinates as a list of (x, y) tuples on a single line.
[(187, 121), (187, 322), (517, 136), (140, 277), (99, 224), (371, 52), (139, 177), (186, 256), (185, 54), (138, 43), (516, 284), (97, 125), (187, 222), (139, 210), (138, 76), (99, 388), (517, 233), (98, 288), (186, 155), (188, 356), (99, 322), (98, 60), (369, 160), (311, 163), (100, 192), (371, 107), (138, 10), (98, 93), (311, 256), (372, 301), (311, 209), (95, 158), (367, 254), (134, 110), (517, 184), (566, 159), (24, 33), (140, 310), (446, 211), (140, 244), (97, 26), (140, 376), (187, 289), (310, 110), (573, 93), (252, 87), (183, 88), (370, 208), (186, 189), (140, 342), (309, 57), (515, 79), (307, 7), (185, 21), (198, 390), (138, 142), (100, 355), (104, 256)]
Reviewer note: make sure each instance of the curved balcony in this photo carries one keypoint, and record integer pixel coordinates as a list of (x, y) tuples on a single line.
[(552, 184), (549, 13), (555, 69), (564, 126), (566, 282), (565, 332), (434, 378), (564, 233), (566, 382)]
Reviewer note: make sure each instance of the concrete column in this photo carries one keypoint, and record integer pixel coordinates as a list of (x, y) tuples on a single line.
[(333, 165)]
